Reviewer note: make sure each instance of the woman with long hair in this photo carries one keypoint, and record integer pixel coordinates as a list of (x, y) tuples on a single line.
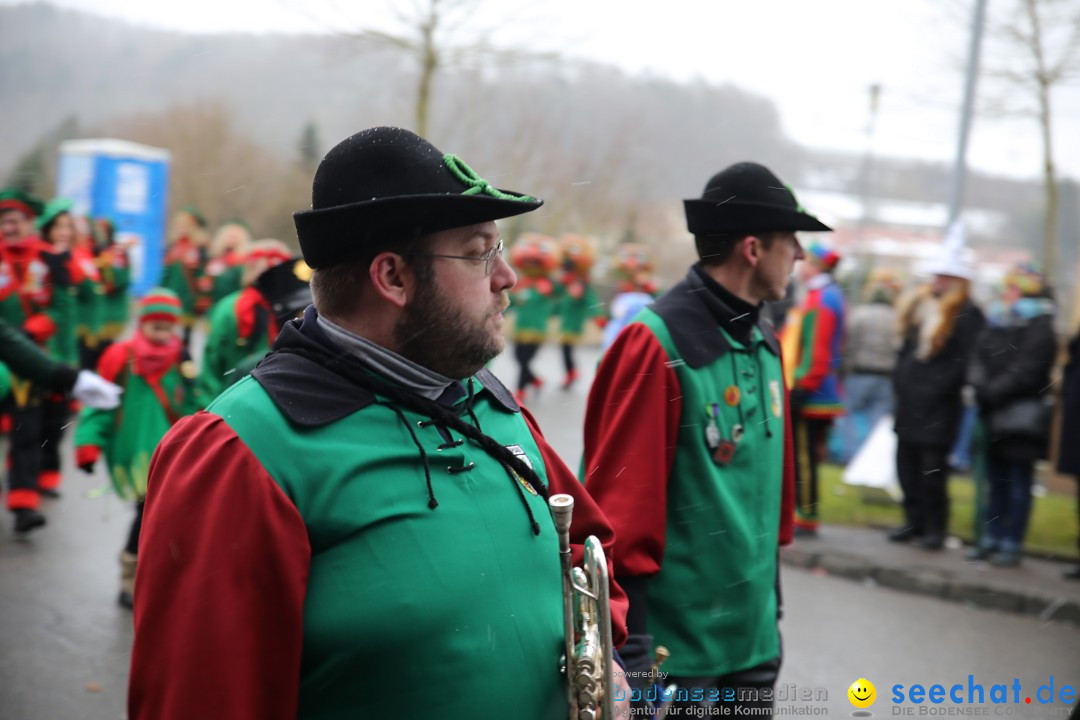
[(938, 326)]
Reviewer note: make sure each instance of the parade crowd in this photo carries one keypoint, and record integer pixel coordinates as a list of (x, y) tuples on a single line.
[(338, 495)]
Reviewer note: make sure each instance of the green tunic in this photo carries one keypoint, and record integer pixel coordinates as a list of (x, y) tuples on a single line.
[(714, 603), (116, 306), (230, 347), (532, 308), (89, 299), (184, 267), (469, 589), (44, 288), (227, 282), (574, 312)]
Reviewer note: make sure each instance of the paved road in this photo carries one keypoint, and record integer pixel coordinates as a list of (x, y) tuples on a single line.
[(64, 643)]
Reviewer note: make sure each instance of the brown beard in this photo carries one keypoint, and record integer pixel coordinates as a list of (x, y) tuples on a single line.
[(433, 334)]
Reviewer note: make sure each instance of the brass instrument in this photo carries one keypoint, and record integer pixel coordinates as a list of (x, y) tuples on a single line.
[(587, 621)]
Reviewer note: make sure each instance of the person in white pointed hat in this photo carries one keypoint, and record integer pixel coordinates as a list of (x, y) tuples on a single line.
[(938, 325)]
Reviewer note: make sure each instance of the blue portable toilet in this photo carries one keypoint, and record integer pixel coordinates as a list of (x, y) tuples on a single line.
[(127, 183)]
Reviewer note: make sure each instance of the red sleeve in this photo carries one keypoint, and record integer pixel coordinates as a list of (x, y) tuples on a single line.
[(222, 574), (114, 358), (631, 429), (787, 490)]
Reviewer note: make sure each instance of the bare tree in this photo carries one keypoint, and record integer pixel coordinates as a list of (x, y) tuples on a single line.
[(1041, 40), (439, 34), (216, 168)]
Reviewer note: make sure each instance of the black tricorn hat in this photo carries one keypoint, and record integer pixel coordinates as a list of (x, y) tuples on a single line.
[(286, 287), (745, 198), (386, 183)]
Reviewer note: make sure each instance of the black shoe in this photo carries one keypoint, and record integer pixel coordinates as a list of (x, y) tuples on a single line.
[(1073, 574), (932, 542), (49, 493), (126, 599), (805, 532), (26, 520), (904, 534)]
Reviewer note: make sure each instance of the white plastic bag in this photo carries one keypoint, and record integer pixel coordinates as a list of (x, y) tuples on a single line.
[(874, 464)]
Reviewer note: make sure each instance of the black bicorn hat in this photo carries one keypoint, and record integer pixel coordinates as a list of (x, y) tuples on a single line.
[(744, 198), (386, 183)]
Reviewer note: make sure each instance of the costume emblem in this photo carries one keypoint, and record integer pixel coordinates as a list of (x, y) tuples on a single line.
[(774, 391), (519, 453), (712, 433), (732, 395), (724, 452)]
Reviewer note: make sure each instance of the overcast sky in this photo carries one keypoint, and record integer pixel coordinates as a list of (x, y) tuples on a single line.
[(816, 59)]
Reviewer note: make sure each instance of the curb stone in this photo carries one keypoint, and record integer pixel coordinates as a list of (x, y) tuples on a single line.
[(936, 584)]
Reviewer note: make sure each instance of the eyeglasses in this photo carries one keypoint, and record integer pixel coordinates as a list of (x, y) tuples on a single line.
[(487, 258)]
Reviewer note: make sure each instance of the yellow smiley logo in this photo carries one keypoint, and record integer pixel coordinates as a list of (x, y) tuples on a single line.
[(862, 693)]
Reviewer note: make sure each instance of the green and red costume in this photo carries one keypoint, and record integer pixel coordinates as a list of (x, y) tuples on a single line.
[(157, 393), (89, 291), (34, 296), (688, 452), (313, 548), (577, 304), (241, 324), (185, 264), (116, 279), (225, 275), (533, 301)]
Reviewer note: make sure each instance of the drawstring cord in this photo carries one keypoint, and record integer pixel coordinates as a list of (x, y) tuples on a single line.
[(515, 467), (432, 502)]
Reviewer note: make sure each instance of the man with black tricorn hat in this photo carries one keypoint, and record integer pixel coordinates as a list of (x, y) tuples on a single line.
[(360, 528), (688, 449)]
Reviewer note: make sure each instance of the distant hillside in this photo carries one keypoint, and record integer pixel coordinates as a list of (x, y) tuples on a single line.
[(55, 63), (608, 150)]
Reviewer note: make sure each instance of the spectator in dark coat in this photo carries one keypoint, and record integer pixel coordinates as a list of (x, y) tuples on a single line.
[(938, 326), (1010, 373), (1069, 449)]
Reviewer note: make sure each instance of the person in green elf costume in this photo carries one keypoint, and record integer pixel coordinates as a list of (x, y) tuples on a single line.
[(688, 449), (245, 324), (578, 302), (225, 268), (533, 300), (360, 528), (185, 265), (57, 227), (89, 288), (115, 267), (34, 297), (159, 389)]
